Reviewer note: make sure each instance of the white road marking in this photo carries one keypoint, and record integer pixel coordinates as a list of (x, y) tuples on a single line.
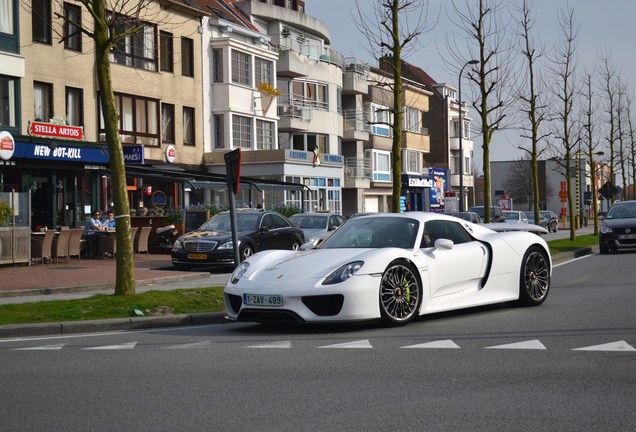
[(446, 344), (531, 344), (203, 344), (41, 348), (357, 344), (572, 260), (279, 344), (612, 346), (124, 346)]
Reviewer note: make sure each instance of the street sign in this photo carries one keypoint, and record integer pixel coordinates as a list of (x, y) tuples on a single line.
[(233, 169), (608, 190)]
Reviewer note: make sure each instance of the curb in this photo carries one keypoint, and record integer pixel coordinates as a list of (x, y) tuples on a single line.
[(120, 324), (123, 324)]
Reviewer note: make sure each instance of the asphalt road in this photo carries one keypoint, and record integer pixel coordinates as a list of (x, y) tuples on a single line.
[(565, 366)]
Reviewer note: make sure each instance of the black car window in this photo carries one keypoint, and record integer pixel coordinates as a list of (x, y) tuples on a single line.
[(246, 222), (437, 229), (267, 223), (278, 221)]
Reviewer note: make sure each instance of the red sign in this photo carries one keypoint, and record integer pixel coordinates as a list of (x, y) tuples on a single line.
[(56, 131), (563, 195)]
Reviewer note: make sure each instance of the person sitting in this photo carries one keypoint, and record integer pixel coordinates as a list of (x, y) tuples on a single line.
[(109, 222), (93, 227)]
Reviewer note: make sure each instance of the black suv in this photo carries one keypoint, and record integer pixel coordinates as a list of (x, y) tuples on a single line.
[(496, 215)]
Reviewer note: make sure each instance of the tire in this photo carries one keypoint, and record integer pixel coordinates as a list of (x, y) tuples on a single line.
[(603, 249), (295, 245), (534, 279), (400, 294), (246, 252)]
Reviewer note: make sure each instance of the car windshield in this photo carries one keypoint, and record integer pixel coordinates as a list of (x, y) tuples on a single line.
[(221, 222), (310, 222), (374, 232), (622, 211), (510, 215)]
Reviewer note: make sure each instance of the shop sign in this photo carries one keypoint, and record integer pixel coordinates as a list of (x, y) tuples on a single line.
[(171, 153), (7, 145), (51, 130), (420, 182), (309, 157), (133, 154), (159, 199), (61, 153)]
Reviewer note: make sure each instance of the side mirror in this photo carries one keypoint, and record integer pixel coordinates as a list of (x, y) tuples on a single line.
[(444, 244), (307, 246)]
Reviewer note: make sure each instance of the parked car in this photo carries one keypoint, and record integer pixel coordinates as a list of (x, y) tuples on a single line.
[(543, 223), (513, 216), (618, 230), (257, 230), (317, 226), (392, 267), (552, 218), (469, 216), (496, 214)]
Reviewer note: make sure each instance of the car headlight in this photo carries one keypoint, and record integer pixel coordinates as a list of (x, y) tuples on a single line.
[(228, 245), (239, 272), (177, 245), (605, 229), (343, 273)]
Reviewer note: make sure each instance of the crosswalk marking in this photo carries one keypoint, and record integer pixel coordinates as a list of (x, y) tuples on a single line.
[(356, 344), (531, 344), (124, 346), (612, 346), (42, 348), (279, 344), (445, 344)]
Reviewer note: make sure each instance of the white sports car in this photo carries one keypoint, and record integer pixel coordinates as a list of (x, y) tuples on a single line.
[(392, 267)]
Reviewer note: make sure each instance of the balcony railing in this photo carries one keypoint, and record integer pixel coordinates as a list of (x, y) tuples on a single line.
[(354, 120), (311, 49), (357, 168), (352, 64)]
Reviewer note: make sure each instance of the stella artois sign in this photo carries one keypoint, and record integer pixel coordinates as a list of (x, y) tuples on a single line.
[(51, 130)]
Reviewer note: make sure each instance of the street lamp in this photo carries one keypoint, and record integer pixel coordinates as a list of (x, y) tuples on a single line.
[(579, 195), (461, 134)]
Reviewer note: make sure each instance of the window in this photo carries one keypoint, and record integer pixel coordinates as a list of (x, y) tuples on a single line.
[(41, 21), (188, 126), (412, 162), (217, 65), (138, 120), (138, 50), (8, 101), (413, 120), (187, 57), (241, 68), (310, 94), (72, 33), (219, 133), (166, 52), (264, 135), (263, 71), (74, 106), (242, 131), (466, 129), (381, 165), (6, 16), (42, 101), (309, 142), (167, 123), (380, 120), (456, 129)]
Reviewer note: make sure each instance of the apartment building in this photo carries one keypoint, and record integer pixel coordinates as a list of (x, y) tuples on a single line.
[(51, 106), (308, 125)]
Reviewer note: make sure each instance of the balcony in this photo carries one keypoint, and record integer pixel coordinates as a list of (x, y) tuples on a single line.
[(466, 143), (357, 173), (355, 127), (417, 140), (298, 57), (355, 77)]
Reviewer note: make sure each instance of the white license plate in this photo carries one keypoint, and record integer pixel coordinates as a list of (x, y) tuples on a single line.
[(627, 237), (262, 299)]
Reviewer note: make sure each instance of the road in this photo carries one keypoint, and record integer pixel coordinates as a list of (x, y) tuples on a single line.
[(565, 366)]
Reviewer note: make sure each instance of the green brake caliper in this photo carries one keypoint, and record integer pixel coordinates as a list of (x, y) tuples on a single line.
[(407, 292)]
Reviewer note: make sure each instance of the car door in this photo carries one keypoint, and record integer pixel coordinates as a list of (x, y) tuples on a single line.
[(282, 235), (457, 269)]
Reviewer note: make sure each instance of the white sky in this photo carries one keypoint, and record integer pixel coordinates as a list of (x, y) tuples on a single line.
[(605, 27)]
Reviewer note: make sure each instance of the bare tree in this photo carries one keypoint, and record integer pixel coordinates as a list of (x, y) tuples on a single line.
[(564, 68), (519, 184), (531, 99), (392, 28), (632, 145), (591, 142), (620, 114), (485, 41), (608, 74)]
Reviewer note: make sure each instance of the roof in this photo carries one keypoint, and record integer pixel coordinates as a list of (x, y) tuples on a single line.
[(226, 10)]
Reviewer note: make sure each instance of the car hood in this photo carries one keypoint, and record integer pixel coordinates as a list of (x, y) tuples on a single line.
[(311, 264), (620, 223), (206, 235), (311, 233)]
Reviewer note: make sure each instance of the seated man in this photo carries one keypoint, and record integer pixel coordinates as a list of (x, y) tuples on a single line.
[(109, 222), (93, 227)]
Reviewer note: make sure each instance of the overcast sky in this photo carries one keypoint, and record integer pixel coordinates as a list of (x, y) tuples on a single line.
[(605, 27)]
